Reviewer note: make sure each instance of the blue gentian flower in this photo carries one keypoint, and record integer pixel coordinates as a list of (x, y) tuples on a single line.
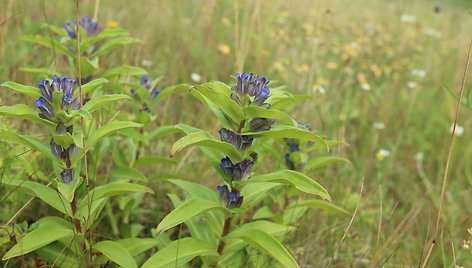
[(67, 175), (239, 142), (238, 171), (86, 23), (261, 124), (146, 82), (154, 92), (45, 108), (253, 85), (229, 199), (56, 149), (147, 110), (62, 84)]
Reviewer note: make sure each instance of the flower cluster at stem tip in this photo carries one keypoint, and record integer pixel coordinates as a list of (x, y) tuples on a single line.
[(250, 89), (57, 97), (90, 27)]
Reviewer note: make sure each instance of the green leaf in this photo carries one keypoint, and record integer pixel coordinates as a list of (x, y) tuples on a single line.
[(24, 112), (283, 131), (296, 179), (38, 71), (196, 190), (205, 140), (49, 42), (118, 188), (106, 33), (219, 87), (28, 141), (189, 209), (87, 66), (262, 112), (180, 252), (315, 203), (100, 101), (92, 85), (26, 90), (125, 70), (224, 102), (109, 129), (68, 190), (114, 43), (50, 229), (136, 246), (267, 243), (116, 253), (48, 195), (253, 192), (127, 173), (323, 161)]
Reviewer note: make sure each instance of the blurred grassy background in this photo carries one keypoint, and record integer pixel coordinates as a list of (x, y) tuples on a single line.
[(378, 71)]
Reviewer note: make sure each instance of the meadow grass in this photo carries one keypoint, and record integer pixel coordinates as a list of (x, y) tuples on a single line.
[(378, 73)]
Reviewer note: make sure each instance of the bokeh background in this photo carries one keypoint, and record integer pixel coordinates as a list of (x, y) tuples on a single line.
[(383, 76)]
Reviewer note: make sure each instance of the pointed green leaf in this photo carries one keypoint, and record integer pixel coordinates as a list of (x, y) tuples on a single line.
[(28, 141), (205, 140), (262, 112), (296, 179), (24, 112), (26, 90), (47, 194), (267, 243), (136, 246), (116, 253), (90, 86), (180, 252), (189, 209), (224, 102), (50, 229), (283, 131), (108, 129), (100, 101)]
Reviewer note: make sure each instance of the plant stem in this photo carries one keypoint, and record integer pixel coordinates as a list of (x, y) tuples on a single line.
[(227, 226)]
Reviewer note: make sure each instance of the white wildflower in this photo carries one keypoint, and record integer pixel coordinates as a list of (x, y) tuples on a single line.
[(459, 130), (411, 85), (378, 125), (408, 18), (365, 87), (196, 77)]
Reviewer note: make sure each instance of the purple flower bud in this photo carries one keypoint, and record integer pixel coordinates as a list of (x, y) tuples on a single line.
[(67, 175), (86, 23), (154, 92), (238, 171), (229, 199), (262, 96), (56, 149), (45, 109), (239, 142), (261, 124)]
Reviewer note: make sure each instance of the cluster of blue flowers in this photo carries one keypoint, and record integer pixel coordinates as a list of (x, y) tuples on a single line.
[(147, 84), (254, 88), (57, 96), (90, 27), (250, 89)]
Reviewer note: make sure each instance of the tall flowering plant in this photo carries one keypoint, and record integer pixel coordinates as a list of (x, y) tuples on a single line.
[(222, 222)]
